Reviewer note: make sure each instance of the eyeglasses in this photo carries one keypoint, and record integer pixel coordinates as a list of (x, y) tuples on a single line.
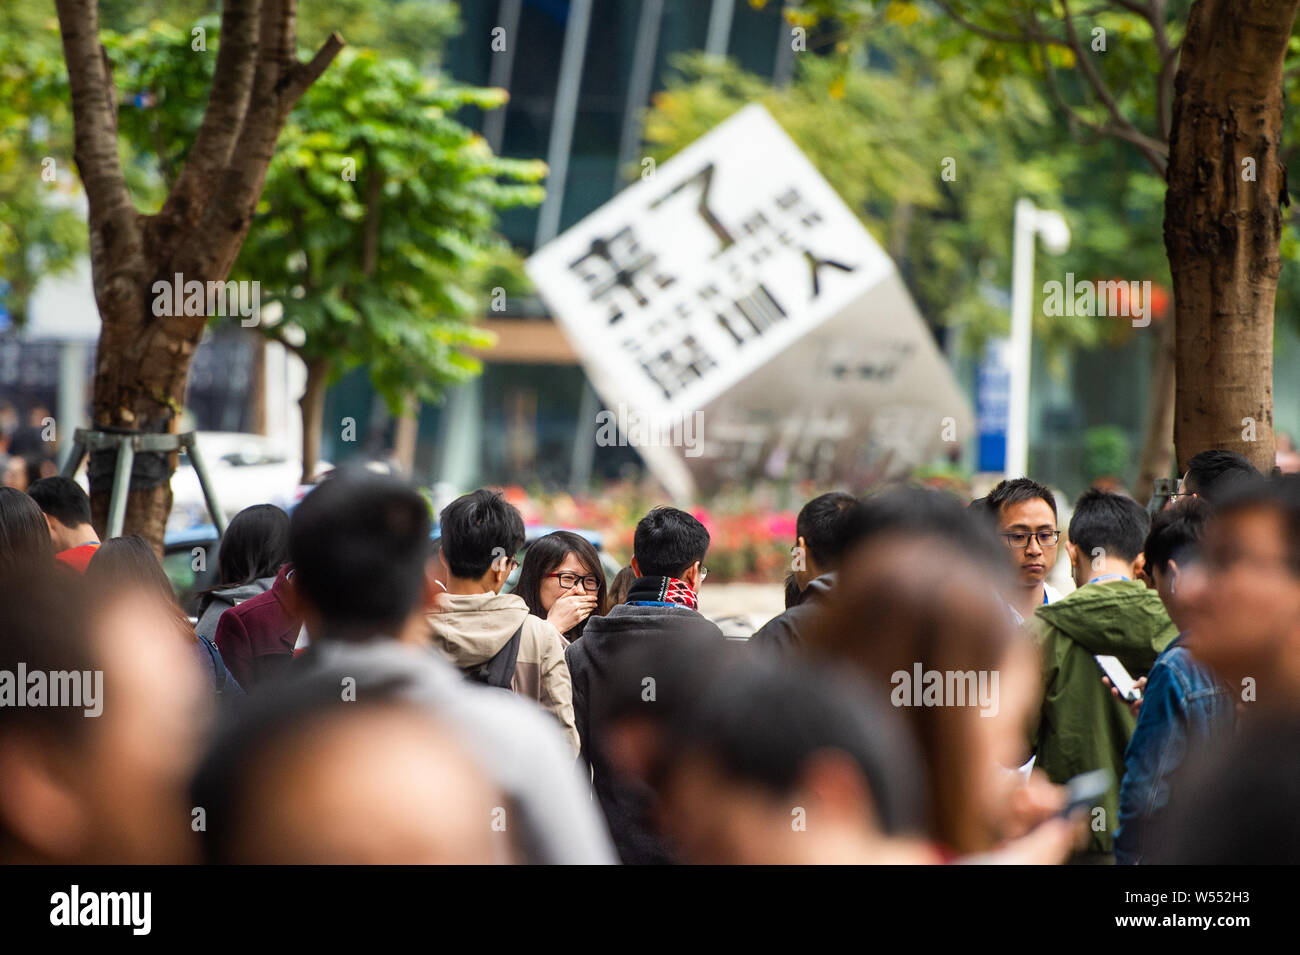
[(569, 580), (1020, 539), (704, 572)]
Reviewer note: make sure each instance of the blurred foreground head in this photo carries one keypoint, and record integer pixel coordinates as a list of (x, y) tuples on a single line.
[(917, 612), (306, 776), (740, 759), (24, 534), (791, 765), (95, 764), (1244, 614)]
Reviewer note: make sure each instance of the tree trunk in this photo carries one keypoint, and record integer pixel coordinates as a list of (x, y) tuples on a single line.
[(406, 434), (312, 404), (1157, 458), (1223, 220), (143, 360)]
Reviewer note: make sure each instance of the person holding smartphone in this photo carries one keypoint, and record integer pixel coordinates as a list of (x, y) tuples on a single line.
[(1186, 707)]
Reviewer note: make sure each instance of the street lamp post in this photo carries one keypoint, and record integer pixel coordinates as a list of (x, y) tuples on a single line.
[(1030, 223)]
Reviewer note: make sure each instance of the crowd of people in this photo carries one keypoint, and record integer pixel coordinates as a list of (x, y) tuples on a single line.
[(360, 688)]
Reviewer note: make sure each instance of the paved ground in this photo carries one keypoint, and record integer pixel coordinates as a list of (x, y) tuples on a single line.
[(740, 609)]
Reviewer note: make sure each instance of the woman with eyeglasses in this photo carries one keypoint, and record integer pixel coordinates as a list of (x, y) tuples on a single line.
[(561, 580)]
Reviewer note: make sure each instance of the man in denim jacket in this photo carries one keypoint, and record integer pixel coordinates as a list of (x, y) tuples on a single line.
[(1185, 705)]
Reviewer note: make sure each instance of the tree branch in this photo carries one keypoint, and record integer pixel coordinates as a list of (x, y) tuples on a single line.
[(232, 87), (278, 83), (997, 35), (114, 222)]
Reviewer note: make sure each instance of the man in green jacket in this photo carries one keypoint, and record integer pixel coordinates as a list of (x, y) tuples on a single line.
[(1083, 727)]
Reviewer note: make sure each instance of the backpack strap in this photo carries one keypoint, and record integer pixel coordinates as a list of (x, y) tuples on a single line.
[(219, 670), (500, 670)]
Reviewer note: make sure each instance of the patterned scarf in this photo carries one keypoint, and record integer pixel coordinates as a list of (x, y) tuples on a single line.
[(667, 591)]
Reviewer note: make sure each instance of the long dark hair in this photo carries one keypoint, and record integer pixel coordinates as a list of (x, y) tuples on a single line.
[(547, 553), (126, 562), (255, 545), (130, 562), (24, 534)]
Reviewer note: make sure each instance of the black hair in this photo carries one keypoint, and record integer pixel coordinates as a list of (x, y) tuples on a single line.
[(303, 699), (763, 723), (1017, 491), (667, 542), (359, 543), (930, 513), (24, 535), (827, 524), (1280, 493), (1114, 522), (62, 499), (1176, 534), (477, 529), (792, 591), (255, 545), (547, 553), (1214, 474)]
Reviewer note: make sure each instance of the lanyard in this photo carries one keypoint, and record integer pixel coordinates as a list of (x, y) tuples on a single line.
[(1097, 580)]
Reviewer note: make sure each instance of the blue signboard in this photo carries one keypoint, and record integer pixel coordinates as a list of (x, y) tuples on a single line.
[(992, 405)]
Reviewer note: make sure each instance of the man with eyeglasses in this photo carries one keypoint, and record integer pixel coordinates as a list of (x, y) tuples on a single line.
[(1025, 513), (1081, 726)]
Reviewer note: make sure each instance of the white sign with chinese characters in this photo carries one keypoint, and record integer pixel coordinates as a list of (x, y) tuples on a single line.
[(735, 285)]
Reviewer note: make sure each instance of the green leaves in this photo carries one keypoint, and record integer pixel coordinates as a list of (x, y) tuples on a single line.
[(375, 229)]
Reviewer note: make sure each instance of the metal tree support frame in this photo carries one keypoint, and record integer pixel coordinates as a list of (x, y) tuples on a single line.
[(86, 442)]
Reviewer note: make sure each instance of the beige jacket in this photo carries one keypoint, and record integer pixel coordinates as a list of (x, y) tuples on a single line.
[(476, 626)]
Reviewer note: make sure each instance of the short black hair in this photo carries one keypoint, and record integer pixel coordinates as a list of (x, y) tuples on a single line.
[(828, 524), (477, 529), (303, 699), (764, 723), (1214, 474), (358, 543), (1017, 491), (1176, 534), (667, 541), (1114, 522), (1281, 494), (62, 499), (930, 513)]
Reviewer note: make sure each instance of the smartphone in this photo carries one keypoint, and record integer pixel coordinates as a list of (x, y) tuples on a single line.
[(1086, 790), (1120, 678), (1165, 488)]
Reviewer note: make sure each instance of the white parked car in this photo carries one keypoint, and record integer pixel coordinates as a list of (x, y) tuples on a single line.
[(244, 469)]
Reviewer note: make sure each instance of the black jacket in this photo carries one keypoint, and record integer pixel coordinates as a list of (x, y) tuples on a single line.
[(601, 685), (785, 632)]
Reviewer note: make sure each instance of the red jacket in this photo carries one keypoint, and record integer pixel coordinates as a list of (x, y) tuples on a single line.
[(256, 637), (77, 557)]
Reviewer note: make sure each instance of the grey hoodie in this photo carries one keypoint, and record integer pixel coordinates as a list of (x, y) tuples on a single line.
[(223, 600), (475, 626)]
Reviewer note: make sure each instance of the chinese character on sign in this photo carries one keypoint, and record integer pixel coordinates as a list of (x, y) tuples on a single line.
[(620, 273)]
